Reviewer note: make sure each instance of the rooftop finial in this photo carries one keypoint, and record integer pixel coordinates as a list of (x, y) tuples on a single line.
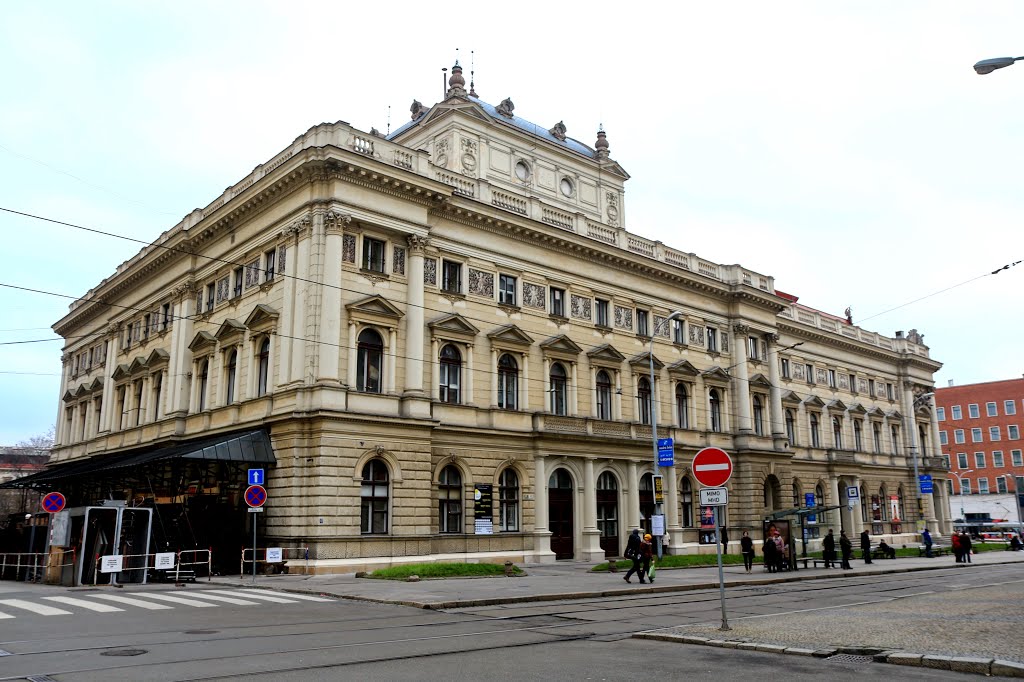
[(456, 83), (389, 119), (472, 72), (601, 146)]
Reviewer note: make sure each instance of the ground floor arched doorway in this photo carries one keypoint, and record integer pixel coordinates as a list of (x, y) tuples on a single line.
[(560, 514)]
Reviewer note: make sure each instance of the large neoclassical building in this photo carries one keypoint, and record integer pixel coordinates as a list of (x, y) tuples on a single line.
[(438, 344)]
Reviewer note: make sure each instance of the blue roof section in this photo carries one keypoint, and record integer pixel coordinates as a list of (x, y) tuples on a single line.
[(524, 125)]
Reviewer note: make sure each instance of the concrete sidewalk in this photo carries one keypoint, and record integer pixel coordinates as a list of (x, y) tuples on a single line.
[(573, 580)]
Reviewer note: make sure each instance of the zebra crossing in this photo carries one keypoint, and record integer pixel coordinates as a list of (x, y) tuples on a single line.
[(94, 603)]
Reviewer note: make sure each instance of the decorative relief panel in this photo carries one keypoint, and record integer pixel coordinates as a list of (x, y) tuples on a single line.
[(430, 271), (481, 283), (862, 385), (222, 293), (252, 274), (348, 248), (533, 295), (879, 389), (820, 376), (398, 263), (613, 209), (281, 260), (696, 334), (798, 372), (844, 382), (624, 318), (580, 307), (725, 342), (661, 327)]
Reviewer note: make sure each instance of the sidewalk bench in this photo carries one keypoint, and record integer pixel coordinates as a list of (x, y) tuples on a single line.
[(879, 553), (937, 550), (818, 562)]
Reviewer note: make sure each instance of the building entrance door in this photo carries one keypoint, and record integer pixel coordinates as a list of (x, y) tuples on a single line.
[(608, 513), (560, 517)]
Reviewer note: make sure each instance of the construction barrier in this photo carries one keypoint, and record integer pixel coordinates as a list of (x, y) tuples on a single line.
[(195, 555), (34, 563), (157, 561), (287, 553)]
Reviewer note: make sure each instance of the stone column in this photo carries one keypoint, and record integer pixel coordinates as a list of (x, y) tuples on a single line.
[(591, 535), (617, 396), (435, 370), (469, 397), (303, 293), (742, 383), (181, 356), (352, 354), (494, 378), (701, 416), (593, 392), (546, 407), (633, 497), (541, 531), (105, 422), (524, 382), (414, 316), (833, 491), (573, 394), (777, 415), (671, 507), (329, 361), (392, 359)]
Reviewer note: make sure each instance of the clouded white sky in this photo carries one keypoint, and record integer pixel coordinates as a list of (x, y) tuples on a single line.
[(846, 148)]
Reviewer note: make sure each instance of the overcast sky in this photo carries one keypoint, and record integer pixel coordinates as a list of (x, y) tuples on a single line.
[(846, 148)]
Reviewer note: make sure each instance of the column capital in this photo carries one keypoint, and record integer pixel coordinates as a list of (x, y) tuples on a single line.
[(417, 243), (772, 338), (335, 221), (298, 227), (740, 328)]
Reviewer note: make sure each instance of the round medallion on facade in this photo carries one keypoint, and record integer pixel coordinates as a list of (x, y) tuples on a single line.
[(522, 171), (469, 162), (567, 187)]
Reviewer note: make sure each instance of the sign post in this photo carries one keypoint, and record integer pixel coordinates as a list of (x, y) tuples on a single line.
[(255, 497), (712, 467)]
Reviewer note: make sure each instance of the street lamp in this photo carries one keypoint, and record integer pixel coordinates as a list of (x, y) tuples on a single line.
[(654, 422), (960, 485), (986, 66)]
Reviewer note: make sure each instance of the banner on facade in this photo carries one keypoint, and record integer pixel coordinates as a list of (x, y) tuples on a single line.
[(483, 509), (810, 503)]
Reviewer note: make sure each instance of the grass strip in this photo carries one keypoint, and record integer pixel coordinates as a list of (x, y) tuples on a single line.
[(441, 570)]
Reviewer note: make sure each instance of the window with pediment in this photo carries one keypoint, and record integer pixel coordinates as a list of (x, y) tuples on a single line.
[(604, 395), (369, 361), (559, 389), (450, 370), (508, 382)]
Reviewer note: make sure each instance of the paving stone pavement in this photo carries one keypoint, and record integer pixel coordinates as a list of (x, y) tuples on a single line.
[(980, 622)]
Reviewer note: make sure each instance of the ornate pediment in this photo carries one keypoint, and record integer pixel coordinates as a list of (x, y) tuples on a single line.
[(684, 367), (716, 375), (453, 325), (68, 396), (202, 341), (96, 385), (837, 405), (894, 414), (262, 318), (229, 330), (814, 401), (791, 397), (875, 412), (511, 334), (374, 306), (642, 361), (606, 353), (561, 344), (138, 365), (120, 372), (158, 357), (857, 408), (82, 390), (761, 381)]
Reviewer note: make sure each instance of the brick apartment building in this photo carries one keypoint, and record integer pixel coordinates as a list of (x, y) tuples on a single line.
[(980, 434)]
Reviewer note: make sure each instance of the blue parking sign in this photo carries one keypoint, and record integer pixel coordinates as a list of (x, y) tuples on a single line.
[(666, 452), (256, 477), (926, 484)]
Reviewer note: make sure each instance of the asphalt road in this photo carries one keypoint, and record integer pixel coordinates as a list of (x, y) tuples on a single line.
[(155, 636)]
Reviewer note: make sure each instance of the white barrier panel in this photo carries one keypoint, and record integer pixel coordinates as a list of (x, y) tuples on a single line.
[(274, 555), (164, 561), (111, 563)]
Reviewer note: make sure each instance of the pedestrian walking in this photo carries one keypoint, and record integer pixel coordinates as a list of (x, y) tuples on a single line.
[(958, 550), (725, 541), (926, 538), (966, 545), (865, 546), (846, 547), (828, 551), (646, 554), (747, 550), (633, 554)]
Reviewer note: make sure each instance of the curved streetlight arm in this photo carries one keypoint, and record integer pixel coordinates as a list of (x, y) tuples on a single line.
[(986, 66)]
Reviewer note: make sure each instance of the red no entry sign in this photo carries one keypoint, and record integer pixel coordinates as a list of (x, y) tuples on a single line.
[(53, 502), (712, 467), (255, 495)]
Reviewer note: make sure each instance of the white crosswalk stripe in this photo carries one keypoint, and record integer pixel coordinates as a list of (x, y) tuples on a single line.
[(216, 597), (5, 615), (178, 600), (91, 605), (41, 609), (254, 594), (141, 603), (307, 597)]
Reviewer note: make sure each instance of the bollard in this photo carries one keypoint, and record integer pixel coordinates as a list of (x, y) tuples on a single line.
[(508, 569), (613, 565)]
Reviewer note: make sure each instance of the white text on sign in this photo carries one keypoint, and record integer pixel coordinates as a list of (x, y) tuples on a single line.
[(714, 497)]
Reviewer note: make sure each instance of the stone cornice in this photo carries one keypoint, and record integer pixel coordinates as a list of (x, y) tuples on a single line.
[(842, 342)]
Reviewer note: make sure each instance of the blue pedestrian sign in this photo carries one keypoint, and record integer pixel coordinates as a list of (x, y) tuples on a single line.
[(256, 477), (926, 484), (666, 452)]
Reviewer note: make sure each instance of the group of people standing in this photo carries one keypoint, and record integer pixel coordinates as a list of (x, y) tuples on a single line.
[(961, 545), (640, 551)]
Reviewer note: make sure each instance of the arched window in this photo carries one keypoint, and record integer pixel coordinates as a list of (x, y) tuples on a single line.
[(922, 439), (900, 511), (837, 433), (559, 388), (858, 435), (643, 400), (798, 495), (646, 494), (772, 493), (686, 498), (451, 374), (815, 432), (603, 385), (373, 498), (819, 495), (369, 361), (716, 410), (883, 504), (508, 382), (758, 416), (894, 436), (204, 382), (449, 502), (790, 427), (682, 406), (232, 372), (263, 370), (508, 500), (876, 435), (864, 504), (608, 512)]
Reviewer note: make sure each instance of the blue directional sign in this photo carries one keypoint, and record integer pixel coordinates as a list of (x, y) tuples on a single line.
[(256, 477), (666, 452), (926, 484), (810, 503)]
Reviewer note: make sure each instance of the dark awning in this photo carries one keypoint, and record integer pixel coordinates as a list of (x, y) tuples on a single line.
[(250, 446), (801, 511)]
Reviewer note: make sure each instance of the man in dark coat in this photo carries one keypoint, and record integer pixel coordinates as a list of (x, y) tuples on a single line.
[(846, 547), (865, 546), (633, 554), (828, 549), (965, 545), (926, 538), (725, 541)]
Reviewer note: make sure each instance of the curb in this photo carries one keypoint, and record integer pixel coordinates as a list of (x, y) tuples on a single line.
[(961, 664)]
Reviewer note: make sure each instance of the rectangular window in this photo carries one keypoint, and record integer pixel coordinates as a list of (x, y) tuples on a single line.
[(754, 348), (975, 435), (871, 387), (991, 410), (940, 412), (994, 434), (853, 383), (269, 264), (957, 412), (888, 391), (965, 486), (507, 289), (1016, 458), (1013, 432), (973, 411), (165, 322), (983, 486), (943, 438), (810, 373), (601, 312), (211, 290), (677, 332), (451, 276), (997, 459), (958, 435), (979, 460), (237, 291), (373, 254), (961, 460), (712, 339), (1009, 407), (642, 328), (145, 326), (945, 460), (1001, 484), (785, 368), (832, 378), (558, 302)]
